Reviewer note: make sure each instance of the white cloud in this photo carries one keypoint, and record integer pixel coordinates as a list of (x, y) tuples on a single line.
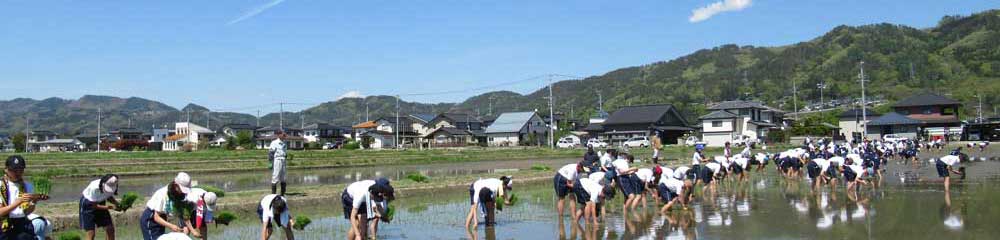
[(706, 12), (351, 94), (254, 11)]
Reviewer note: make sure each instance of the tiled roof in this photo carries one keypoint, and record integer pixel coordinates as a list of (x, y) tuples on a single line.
[(737, 104), (510, 122), (893, 118), (638, 114), (718, 115)]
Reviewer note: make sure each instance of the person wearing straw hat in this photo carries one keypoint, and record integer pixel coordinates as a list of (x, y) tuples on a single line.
[(153, 222), (16, 201), (95, 205), (203, 212)]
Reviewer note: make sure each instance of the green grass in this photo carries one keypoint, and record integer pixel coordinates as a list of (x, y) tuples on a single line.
[(540, 167), (70, 235), (218, 191), (418, 177)]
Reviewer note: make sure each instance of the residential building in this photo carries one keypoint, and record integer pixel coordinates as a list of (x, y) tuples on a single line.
[(457, 120), (6, 143), (893, 123), (450, 137), (293, 137), (324, 133), (380, 139), (188, 135), (852, 123), (48, 141), (233, 129), (732, 120), (516, 128), (938, 115), (659, 120)]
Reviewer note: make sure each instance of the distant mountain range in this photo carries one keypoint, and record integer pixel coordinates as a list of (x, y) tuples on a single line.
[(959, 57)]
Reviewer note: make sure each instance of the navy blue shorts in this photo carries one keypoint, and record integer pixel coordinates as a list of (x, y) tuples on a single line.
[(849, 175), (736, 168), (786, 163), (832, 170), (942, 169), (813, 170), (692, 173), (626, 185), (796, 164), (638, 186), (92, 218), (582, 196), (665, 194), (559, 182), (706, 175), (149, 228)]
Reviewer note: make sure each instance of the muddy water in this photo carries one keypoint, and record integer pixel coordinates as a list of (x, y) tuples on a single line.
[(766, 207), (69, 190)]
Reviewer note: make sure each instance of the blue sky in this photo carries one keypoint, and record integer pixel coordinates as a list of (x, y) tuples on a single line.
[(227, 54)]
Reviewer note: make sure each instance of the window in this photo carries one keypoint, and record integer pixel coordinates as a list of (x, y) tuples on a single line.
[(928, 110), (948, 111), (716, 123)]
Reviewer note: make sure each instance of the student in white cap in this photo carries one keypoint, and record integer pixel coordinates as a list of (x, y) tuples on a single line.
[(154, 220), (273, 210), (95, 205), (203, 212), (278, 151)]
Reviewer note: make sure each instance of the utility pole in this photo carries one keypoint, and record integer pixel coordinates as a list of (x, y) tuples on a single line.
[(99, 129), (281, 116), (397, 123), (600, 102), (258, 118), (821, 86), (552, 119), (491, 105), (366, 111), (302, 118), (188, 116), (795, 100), (980, 96), (864, 108), (208, 120)]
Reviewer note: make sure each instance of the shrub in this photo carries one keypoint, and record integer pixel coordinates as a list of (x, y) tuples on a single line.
[(70, 235), (540, 167), (417, 177), (301, 222), (218, 191)]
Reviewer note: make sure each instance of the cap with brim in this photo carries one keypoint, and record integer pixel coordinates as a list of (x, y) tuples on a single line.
[(183, 181), (210, 199), (111, 185), (15, 162)]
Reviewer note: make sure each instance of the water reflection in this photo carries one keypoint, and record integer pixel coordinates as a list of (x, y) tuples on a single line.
[(952, 219)]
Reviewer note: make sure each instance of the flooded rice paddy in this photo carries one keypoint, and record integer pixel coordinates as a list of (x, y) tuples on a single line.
[(908, 204)]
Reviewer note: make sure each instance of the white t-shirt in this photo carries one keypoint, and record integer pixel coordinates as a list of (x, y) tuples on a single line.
[(95, 193), (857, 169), (606, 160), (666, 172), (822, 163), (696, 159), (673, 184), (359, 192), (681, 172), (158, 202), (492, 184), (837, 160), (174, 236), (195, 195), (278, 147), (568, 171), (621, 165), (13, 192), (745, 152), (593, 188), (714, 166), (951, 160), (47, 224), (596, 176), (267, 215), (740, 162), (644, 174)]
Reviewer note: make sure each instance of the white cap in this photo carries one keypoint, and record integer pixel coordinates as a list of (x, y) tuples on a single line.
[(210, 199), (184, 181), (110, 185)]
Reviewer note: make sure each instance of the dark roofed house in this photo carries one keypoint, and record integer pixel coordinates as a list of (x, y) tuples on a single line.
[(6, 144), (852, 123), (263, 136), (662, 120), (893, 123), (450, 137), (938, 115), (734, 120), (516, 128), (325, 133), (457, 120)]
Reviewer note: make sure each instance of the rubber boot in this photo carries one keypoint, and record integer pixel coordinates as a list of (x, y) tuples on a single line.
[(282, 188), (274, 188)]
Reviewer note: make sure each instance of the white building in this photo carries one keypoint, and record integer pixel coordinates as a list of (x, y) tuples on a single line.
[(512, 129), (187, 133), (733, 120)]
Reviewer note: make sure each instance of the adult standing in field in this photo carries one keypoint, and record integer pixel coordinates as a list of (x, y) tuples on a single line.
[(96, 204), (16, 202), (278, 151), (361, 201), (154, 220), (203, 212), (273, 210), (563, 183), (657, 144)]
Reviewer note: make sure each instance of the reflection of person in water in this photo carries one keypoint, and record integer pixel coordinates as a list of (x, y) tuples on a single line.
[(951, 220)]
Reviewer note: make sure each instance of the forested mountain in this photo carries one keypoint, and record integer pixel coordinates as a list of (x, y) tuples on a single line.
[(959, 57)]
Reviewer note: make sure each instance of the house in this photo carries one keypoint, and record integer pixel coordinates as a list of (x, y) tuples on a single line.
[(731, 120), (660, 120), (409, 129), (516, 128), (456, 120), (938, 115), (363, 127), (380, 139), (6, 143), (126, 139), (420, 123), (324, 133), (293, 137), (893, 123), (188, 135), (450, 137), (983, 130), (48, 141), (852, 123)]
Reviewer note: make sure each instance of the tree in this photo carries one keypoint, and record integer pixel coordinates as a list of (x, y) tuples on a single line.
[(231, 143), (19, 140), (244, 139)]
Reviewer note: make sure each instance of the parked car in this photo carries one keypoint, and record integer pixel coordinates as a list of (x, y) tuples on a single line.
[(692, 140), (571, 139), (636, 142), (893, 138), (566, 144), (596, 143), (329, 145)]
